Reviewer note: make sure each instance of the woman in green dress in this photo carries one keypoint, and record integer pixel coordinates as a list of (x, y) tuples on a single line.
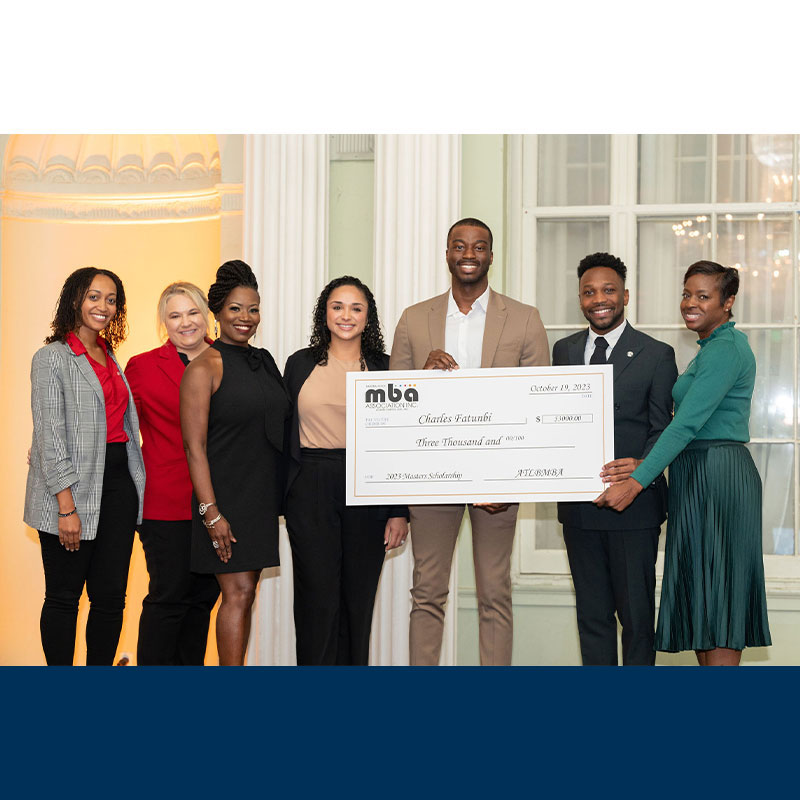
[(713, 599)]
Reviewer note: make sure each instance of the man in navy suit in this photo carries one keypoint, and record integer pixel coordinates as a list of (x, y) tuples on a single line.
[(612, 555)]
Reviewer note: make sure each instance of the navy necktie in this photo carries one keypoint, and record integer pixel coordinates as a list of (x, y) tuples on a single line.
[(599, 354)]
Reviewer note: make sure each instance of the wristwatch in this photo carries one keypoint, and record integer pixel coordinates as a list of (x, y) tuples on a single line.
[(203, 507)]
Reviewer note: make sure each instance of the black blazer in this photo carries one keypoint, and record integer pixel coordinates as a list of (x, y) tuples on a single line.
[(644, 373), (299, 366)]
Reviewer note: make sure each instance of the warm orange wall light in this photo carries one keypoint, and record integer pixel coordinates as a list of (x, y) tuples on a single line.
[(143, 206)]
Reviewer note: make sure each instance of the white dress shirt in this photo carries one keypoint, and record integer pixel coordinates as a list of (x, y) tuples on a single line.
[(612, 337), (463, 336)]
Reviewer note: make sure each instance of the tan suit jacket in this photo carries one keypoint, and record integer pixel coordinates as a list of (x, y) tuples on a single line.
[(513, 337)]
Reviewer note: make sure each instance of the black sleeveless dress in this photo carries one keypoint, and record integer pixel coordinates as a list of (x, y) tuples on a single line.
[(244, 446)]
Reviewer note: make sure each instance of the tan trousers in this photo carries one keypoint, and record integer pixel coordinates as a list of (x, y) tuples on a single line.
[(434, 532)]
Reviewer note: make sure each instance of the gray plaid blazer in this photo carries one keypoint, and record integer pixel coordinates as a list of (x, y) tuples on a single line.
[(69, 439)]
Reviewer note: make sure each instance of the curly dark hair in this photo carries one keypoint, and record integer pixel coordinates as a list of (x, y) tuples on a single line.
[(230, 276), (727, 278), (67, 318), (371, 339), (603, 260)]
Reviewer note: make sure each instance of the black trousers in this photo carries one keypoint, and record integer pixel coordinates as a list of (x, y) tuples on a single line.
[(614, 573), (337, 557), (173, 627), (101, 564)]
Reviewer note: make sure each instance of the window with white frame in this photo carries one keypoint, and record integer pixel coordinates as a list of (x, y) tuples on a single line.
[(661, 202)]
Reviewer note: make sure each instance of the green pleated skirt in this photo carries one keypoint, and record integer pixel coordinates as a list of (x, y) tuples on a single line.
[(713, 591)]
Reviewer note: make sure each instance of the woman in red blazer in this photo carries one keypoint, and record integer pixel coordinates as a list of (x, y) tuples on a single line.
[(173, 627)]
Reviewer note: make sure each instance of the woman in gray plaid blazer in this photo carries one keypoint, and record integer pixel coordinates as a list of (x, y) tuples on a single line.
[(86, 475)]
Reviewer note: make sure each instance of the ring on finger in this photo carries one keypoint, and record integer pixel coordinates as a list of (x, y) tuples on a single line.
[(215, 544)]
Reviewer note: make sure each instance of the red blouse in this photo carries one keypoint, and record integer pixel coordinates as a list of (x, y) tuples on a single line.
[(115, 391), (155, 379)]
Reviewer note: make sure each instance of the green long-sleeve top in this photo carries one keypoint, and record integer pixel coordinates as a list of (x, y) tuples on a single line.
[(712, 400)]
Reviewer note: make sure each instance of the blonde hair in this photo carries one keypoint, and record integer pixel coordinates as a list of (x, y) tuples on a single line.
[(194, 293)]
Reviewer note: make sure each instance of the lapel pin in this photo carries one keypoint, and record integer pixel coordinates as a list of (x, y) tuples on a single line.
[(630, 353)]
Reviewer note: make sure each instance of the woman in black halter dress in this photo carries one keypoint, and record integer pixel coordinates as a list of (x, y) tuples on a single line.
[(244, 461), (233, 411)]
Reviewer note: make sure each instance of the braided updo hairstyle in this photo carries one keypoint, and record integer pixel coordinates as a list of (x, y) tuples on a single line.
[(230, 276), (371, 339)]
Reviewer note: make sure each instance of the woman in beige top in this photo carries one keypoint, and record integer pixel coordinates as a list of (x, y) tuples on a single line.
[(337, 550)]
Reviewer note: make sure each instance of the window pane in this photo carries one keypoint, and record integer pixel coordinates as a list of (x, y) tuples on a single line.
[(674, 168), (666, 248), (676, 173), (548, 529), (683, 341), (755, 168), (560, 246), (771, 415), (761, 249), (772, 411), (775, 464), (573, 169)]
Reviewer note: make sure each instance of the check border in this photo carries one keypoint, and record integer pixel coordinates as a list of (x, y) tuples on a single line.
[(603, 372)]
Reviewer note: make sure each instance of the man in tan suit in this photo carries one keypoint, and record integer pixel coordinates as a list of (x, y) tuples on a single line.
[(468, 326)]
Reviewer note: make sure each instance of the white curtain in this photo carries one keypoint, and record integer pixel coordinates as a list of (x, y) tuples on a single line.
[(417, 198), (285, 242)]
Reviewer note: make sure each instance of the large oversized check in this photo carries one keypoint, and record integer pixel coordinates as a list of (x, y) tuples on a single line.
[(478, 435)]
